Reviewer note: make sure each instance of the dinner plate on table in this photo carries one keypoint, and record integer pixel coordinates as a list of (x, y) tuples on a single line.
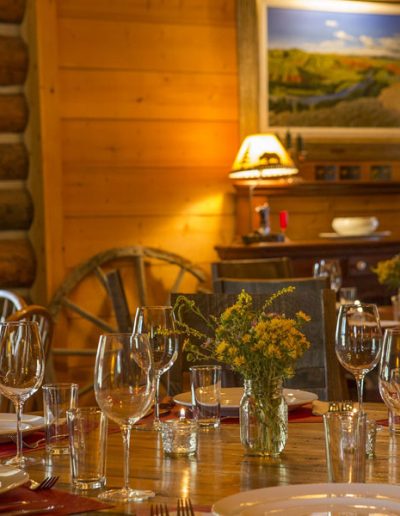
[(8, 424), (231, 396), (10, 478), (386, 323), (312, 499)]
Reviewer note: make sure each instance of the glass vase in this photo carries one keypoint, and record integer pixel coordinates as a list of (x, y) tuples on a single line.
[(263, 418)]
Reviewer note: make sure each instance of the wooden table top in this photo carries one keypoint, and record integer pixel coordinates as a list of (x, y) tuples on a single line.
[(221, 468)]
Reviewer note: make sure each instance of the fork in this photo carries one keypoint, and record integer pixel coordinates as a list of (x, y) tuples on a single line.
[(160, 509), (31, 446), (184, 507), (46, 483)]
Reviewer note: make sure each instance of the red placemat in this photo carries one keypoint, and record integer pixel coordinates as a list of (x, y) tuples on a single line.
[(8, 449), (72, 504)]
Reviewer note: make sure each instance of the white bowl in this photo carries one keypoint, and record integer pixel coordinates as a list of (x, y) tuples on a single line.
[(355, 226)]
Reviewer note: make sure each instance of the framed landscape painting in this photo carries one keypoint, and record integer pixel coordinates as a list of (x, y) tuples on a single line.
[(329, 66)]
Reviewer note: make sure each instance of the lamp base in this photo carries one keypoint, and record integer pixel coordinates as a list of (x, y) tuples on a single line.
[(255, 237)]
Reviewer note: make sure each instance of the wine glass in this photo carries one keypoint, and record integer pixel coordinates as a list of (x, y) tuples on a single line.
[(389, 370), (21, 372), (124, 390), (358, 341), (158, 322), (329, 269)]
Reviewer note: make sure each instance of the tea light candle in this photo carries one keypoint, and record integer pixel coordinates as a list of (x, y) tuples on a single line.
[(179, 436)]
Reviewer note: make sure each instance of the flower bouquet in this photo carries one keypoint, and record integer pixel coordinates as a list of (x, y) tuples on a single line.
[(263, 347), (388, 272)]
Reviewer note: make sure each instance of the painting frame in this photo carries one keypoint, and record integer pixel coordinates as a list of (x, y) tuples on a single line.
[(253, 73)]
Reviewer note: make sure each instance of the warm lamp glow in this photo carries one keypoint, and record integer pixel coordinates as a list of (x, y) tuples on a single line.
[(262, 156)]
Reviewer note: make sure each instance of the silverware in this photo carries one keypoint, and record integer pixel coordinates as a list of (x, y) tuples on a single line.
[(159, 509), (184, 507), (41, 510), (31, 446), (46, 483)]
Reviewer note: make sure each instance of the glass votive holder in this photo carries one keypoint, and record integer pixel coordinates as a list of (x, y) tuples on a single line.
[(371, 438), (179, 436)]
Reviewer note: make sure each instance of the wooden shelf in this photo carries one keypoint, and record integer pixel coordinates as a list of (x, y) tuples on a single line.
[(321, 188)]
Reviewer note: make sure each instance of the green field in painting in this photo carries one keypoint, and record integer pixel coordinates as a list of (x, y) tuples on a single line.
[(312, 89)]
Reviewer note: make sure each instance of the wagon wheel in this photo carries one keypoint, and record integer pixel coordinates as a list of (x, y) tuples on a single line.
[(100, 295)]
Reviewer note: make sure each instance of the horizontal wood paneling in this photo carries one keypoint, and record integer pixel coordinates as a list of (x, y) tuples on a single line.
[(173, 191), (13, 60), (199, 12), (188, 235), (122, 45), (125, 94), (149, 143)]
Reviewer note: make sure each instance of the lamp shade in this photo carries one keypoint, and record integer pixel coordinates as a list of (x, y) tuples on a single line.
[(262, 156)]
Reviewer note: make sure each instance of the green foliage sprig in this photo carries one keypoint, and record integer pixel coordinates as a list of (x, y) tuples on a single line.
[(388, 272)]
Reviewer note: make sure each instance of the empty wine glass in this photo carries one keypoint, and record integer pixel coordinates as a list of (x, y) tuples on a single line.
[(389, 370), (158, 322), (124, 390), (21, 372), (329, 269), (358, 341)]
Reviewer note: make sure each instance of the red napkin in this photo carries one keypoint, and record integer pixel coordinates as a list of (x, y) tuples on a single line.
[(72, 504)]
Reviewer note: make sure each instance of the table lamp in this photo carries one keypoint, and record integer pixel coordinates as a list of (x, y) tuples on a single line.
[(261, 159)]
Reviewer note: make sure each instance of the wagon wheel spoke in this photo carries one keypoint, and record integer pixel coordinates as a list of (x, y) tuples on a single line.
[(88, 316)]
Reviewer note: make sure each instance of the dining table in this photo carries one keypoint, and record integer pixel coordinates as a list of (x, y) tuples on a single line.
[(220, 467)]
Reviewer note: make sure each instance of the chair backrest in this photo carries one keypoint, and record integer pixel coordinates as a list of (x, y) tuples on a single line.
[(266, 286), (280, 267), (9, 303), (318, 370)]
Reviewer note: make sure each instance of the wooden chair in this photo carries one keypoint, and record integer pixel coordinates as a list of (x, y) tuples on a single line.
[(251, 269), (265, 286), (42, 316), (318, 370), (9, 303)]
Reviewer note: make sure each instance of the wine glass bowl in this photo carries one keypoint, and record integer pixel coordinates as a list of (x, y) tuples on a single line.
[(21, 371), (389, 370), (158, 322), (124, 390), (358, 341), (329, 269)]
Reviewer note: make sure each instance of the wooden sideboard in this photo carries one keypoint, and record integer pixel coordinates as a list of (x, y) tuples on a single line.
[(356, 255)]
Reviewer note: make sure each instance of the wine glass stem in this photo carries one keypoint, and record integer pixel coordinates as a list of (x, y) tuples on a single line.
[(126, 439), (18, 409), (157, 400), (360, 390)]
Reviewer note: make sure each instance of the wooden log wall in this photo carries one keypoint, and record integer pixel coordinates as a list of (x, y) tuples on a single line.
[(17, 259)]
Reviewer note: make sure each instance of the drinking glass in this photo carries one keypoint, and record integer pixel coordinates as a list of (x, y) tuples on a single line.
[(21, 372), (158, 322), (389, 371), (329, 269), (124, 390), (358, 341)]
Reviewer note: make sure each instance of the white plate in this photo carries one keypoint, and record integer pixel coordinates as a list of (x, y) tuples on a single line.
[(10, 478), (313, 499), (8, 424), (231, 396), (375, 234)]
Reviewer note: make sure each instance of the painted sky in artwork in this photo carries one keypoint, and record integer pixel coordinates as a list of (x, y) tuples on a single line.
[(334, 32)]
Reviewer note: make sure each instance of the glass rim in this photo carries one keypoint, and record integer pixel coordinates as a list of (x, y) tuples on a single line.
[(153, 307), (60, 385), (205, 366)]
